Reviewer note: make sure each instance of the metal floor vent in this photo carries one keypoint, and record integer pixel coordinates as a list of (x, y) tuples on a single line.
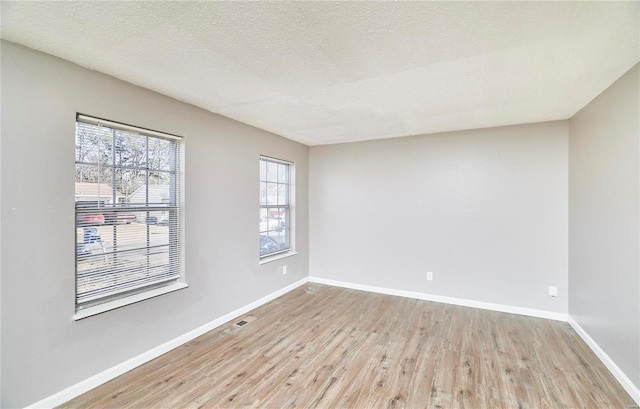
[(244, 321)]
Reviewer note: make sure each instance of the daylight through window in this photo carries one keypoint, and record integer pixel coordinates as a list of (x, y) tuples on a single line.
[(128, 210), (275, 206)]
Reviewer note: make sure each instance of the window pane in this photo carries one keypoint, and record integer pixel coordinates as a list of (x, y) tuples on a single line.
[(284, 238), (135, 184), (277, 239), (92, 174), (272, 193), (94, 184), (284, 217), (130, 150), (159, 189), (160, 153), (274, 223), (93, 144), (128, 181), (283, 173), (158, 177), (267, 245), (282, 195), (272, 172)]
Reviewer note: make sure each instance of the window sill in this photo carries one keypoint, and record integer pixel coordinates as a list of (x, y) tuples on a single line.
[(276, 257), (112, 305)]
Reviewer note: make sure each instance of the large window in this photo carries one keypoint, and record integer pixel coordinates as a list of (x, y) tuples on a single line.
[(275, 206), (128, 211)]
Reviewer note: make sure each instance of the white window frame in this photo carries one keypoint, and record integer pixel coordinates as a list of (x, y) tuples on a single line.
[(161, 285), (290, 206)]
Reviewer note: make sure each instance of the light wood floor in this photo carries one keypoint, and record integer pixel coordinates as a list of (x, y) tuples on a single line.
[(321, 346)]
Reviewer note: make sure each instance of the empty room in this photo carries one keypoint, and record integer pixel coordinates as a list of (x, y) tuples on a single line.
[(327, 204)]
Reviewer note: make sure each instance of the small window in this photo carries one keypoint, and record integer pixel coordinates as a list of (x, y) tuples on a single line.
[(128, 211), (275, 206)]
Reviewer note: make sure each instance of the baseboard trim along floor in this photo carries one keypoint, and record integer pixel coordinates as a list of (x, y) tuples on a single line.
[(531, 312)]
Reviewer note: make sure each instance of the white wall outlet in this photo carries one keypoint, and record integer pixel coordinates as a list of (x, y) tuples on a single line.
[(284, 270), (553, 291), (429, 276)]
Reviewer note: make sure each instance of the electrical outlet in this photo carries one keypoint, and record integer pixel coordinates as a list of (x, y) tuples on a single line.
[(284, 270), (553, 291), (429, 276)]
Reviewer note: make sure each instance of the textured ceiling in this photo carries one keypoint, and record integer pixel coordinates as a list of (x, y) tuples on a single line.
[(327, 72)]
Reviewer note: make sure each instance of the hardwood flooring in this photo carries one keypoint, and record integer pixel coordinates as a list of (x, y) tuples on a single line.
[(328, 347)]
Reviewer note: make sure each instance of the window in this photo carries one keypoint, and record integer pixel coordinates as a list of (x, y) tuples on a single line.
[(275, 206), (128, 211)]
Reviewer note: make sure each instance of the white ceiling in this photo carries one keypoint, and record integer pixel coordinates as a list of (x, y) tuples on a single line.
[(328, 72)]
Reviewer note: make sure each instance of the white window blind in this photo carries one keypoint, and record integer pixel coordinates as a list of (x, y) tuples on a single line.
[(128, 210), (275, 206)]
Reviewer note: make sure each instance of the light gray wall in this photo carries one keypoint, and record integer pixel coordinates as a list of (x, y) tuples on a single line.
[(604, 221), (484, 210), (43, 349)]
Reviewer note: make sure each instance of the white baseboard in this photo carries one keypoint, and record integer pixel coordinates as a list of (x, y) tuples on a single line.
[(446, 300), (113, 372), (608, 362)]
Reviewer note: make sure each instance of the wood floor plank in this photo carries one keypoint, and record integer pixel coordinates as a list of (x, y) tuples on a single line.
[(328, 347)]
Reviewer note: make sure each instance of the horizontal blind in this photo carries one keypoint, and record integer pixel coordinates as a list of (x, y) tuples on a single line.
[(128, 210)]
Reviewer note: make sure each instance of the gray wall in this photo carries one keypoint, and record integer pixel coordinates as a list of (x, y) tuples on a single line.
[(484, 210), (43, 349), (604, 232)]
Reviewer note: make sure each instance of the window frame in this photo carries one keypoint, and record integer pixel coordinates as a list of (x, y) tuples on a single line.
[(289, 206), (174, 278)]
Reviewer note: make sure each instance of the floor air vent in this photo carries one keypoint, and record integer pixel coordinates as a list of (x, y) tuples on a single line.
[(244, 321)]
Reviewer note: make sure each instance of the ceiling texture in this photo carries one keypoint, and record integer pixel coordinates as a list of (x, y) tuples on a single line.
[(331, 72)]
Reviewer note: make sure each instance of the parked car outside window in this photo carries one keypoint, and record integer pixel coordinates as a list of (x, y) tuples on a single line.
[(268, 245)]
